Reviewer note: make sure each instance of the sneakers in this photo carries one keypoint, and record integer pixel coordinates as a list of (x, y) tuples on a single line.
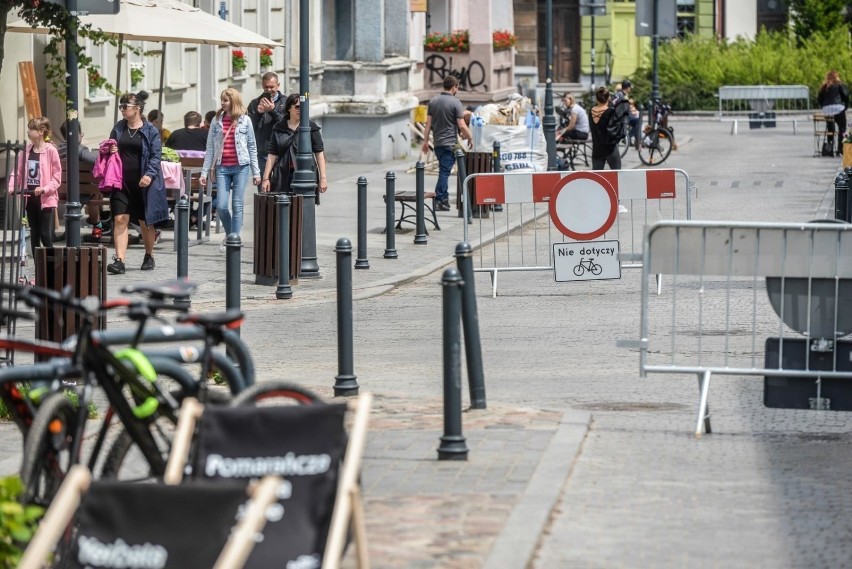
[(148, 263), (222, 246), (117, 266), (157, 237), (444, 205)]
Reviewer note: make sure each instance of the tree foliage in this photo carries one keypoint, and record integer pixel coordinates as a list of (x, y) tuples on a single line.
[(811, 17)]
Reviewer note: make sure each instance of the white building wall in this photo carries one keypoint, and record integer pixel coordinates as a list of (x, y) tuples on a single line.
[(740, 19)]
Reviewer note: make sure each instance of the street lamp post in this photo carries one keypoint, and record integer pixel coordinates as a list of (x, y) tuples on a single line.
[(655, 43), (592, 51), (73, 207), (549, 121), (304, 178)]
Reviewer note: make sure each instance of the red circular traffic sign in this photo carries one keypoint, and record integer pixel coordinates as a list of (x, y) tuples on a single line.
[(583, 206)]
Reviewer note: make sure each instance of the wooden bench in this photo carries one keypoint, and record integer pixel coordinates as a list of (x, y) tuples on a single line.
[(408, 200), (763, 105), (88, 186), (569, 150)]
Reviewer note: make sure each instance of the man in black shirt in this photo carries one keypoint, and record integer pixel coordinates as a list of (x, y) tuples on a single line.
[(265, 112), (192, 136)]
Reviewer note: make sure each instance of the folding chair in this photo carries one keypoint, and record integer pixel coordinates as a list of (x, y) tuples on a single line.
[(151, 525), (304, 444)]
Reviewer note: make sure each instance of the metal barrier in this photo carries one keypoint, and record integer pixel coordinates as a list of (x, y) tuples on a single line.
[(644, 197), (13, 249), (717, 317), (763, 105)]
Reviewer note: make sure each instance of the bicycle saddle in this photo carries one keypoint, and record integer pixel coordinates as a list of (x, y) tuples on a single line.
[(213, 319), (160, 290)]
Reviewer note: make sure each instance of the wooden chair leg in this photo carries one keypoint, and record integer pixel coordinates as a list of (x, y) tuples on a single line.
[(359, 528)]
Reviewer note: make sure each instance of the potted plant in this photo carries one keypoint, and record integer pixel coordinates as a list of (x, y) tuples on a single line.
[(96, 82), (265, 58), (238, 61), (455, 42), (502, 40), (847, 149), (137, 74)]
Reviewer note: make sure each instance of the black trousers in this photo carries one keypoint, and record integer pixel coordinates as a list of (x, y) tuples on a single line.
[(41, 224), (840, 121), (613, 159)]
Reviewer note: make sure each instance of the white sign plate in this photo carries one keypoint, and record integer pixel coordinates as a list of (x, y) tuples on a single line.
[(586, 261)]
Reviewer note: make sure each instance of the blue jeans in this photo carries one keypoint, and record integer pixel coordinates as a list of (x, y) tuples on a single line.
[(446, 159), (231, 181)]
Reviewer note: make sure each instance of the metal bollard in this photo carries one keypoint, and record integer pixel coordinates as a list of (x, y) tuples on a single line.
[(453, 445), (420, 193), (362, 262), (182, 242), (496, 167), (233, 250), (461, 173), (390, 206), (470, 324), (345, 382), (283, 290)]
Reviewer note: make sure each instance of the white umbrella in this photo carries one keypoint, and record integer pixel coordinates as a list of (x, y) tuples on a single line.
[(163, 21)]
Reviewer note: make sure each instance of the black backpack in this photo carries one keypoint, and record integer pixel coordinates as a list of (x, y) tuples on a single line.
[(615, 129)]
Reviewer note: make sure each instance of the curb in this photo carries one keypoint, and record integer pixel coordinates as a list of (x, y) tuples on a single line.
[(517, 542)]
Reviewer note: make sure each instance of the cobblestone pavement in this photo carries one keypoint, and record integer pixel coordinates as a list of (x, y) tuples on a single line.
[(766, 489)]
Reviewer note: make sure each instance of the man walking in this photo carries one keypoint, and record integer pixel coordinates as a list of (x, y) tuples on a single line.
[(445, 120), (265, 112)]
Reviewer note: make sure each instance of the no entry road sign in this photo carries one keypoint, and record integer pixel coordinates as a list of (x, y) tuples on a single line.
[(583, 206)]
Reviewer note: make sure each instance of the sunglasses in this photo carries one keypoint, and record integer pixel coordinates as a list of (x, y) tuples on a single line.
[(297, 106), (125, 107)]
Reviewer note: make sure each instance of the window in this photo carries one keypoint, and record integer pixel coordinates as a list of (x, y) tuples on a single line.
[(685, 17), (96, 81)]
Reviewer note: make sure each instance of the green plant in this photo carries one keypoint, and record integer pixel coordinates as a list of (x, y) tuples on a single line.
[(693, 69), (216, 376), (455, 42), (96, 80), (74, 398), (266, 57), (810, 17), (170, 155), (137, 74), (17, 522), (238, 60)]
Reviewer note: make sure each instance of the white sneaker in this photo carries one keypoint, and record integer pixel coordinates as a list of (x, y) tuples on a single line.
[(222, 246)]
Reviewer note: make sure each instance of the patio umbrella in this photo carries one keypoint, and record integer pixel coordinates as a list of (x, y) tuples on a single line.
[(163, 21)]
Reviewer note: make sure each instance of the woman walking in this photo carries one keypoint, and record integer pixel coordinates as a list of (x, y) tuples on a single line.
[(38, 175), (833, 97), (604, 150), (232, 150), (142, 196), (284, 144)]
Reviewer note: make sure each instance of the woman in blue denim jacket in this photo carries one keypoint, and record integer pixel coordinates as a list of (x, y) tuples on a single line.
[(232, 150)]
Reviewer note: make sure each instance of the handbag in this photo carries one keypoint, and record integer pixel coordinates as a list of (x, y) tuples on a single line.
[(828, 148)]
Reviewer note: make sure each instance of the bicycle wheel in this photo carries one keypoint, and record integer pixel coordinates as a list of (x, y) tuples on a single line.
[(624, 146), (596, 269), (656, 147), (47, 449), (125, 461), (579, 270), (276, 393)]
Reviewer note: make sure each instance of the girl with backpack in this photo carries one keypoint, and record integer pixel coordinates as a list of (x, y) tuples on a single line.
[(604, 145)]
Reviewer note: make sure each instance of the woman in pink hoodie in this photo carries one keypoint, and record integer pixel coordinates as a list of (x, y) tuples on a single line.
[(38, 176)]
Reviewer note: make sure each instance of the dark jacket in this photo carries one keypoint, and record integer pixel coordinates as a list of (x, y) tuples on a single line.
[(836, 94), (602, 145), (154, 196), (285, 145), (265, 122)]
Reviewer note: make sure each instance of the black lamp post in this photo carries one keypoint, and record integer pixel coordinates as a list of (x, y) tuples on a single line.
[(304, 178), (655, 43), (549, 121), (73, 207)]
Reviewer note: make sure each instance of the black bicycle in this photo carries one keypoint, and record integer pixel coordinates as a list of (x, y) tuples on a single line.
[(657, 139)]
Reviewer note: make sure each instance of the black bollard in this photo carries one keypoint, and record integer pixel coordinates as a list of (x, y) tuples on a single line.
[(390, 206), (233, 250), (283, 290), (182, 243), (470, 324), (453, 445), (362, 262), (345, 382), (420, 196), (461, 173), (496, 167)]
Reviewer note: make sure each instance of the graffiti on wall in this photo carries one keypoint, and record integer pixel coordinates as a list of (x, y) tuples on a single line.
[(471, 78)]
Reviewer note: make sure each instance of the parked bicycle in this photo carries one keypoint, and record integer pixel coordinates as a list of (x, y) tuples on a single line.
[(657, 139)]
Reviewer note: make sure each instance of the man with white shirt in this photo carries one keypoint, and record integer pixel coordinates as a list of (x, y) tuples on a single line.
[(577, 127)]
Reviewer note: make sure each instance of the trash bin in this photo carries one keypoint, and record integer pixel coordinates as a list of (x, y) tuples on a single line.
[(266, 237), (84, 268), (841, 197), (475, 163)]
